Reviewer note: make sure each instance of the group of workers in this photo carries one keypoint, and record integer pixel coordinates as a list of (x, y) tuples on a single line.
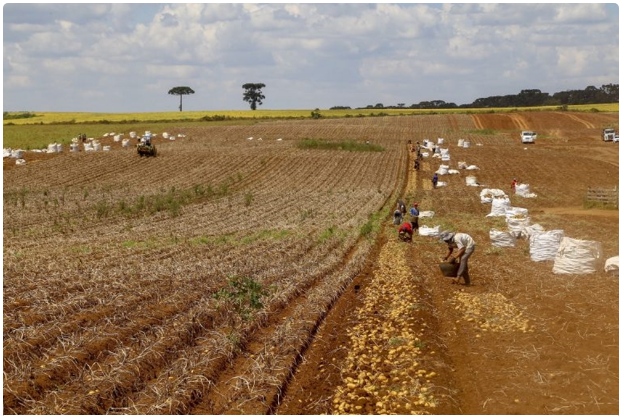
[(407, 229)]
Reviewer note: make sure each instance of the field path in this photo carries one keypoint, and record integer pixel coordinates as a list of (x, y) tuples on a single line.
[(519, 120), (587, 124), (477, 121)]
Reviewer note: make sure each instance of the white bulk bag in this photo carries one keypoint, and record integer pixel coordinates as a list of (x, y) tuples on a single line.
[(517, 224), (544, 246), (472, 181), (502, 238), (17, 154), (523, 191), (487, 195), (577, 256), (460, 142), (429, 231), (461, 165), (443, 170), (466, 144), (472, 167), (440, 140), (426, 214), (133, 134), (165, 135), (612, 266), (440, 184), (7, 152), (125, 142), (74, 147), (117, 138), (499, 206), (453, 171), (530, 230), (445, 157), (516, 212), (52, 148), (96, 146), (88, 147), (20, 162), (106, 148)]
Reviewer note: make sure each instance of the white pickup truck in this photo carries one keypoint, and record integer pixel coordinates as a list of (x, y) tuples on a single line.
[(528, 137), (609, 135)]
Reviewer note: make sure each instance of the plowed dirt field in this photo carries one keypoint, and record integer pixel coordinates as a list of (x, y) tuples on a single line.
[(237, 275)]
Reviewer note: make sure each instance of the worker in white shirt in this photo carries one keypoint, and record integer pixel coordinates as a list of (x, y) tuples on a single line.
[(465, 245)]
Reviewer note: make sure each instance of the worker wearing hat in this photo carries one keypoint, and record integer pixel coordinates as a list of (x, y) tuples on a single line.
[(466, 246), (415, 216)]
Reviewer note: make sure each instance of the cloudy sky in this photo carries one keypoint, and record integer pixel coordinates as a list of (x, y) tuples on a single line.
[(117, 57)]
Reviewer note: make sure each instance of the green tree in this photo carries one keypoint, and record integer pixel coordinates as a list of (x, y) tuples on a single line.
[(253, 94), (181, 91)]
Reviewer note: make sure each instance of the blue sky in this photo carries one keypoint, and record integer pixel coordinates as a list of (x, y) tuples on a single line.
[(118, 57)]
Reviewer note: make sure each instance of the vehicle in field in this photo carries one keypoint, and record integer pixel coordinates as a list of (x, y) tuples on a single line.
[(528, 137), (609, 135), (146, 149)]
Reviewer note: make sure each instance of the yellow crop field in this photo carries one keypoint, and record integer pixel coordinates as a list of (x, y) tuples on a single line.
[(78, 117)]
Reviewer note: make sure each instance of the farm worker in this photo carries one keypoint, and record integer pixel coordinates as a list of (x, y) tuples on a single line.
[(402, 206), (514, 183), (435, 180), (397, 217), (415, 216), (466, 246), (417, 164), (405, 232)]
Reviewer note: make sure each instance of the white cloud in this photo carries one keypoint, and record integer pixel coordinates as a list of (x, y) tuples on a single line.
[(308, 54)]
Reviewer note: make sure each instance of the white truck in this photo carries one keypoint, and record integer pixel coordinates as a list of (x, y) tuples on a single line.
[(609, 135), (528, 137)]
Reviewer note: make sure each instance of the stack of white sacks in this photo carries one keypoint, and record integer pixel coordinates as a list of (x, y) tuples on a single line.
[(570, 256)]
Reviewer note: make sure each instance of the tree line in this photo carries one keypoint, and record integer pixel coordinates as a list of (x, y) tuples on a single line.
[(608, 93)]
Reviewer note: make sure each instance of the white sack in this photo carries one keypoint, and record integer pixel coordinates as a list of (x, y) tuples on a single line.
[(523, 191), (443, 170), (472, 181), (462, 165), (472, 167), (502, 238), (426, 214), (516, 212), (453, 171), (612, 266), (577, 257), (488, 194), (499, 206), (430, 231), (517, 224), (531, 230), (544, 246), (440, 184)]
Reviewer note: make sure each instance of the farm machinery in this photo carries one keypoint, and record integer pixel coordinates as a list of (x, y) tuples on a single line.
[(609, 135), (146, 149)]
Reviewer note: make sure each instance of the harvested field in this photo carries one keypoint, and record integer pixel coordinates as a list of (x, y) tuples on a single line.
[(229, 275)]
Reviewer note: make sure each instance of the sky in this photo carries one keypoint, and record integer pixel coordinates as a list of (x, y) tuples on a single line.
[(120, 57)]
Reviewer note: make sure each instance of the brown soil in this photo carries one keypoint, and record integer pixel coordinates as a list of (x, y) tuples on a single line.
[(564, 362), (103, 320)]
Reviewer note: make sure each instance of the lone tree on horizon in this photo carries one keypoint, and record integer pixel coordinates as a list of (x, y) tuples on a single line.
[(181, 91), (253, 94)]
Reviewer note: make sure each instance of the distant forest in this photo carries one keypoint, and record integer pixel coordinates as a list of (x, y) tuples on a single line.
[(526, 98)]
